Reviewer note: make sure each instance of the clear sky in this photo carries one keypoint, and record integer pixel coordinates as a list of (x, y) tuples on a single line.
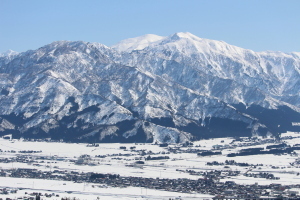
[(253, 24)]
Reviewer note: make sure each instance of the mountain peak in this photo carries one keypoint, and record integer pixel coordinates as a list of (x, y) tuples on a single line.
[(171, 89), (137, 43), (9, 53), (78, 46), (183, 42), (186, 35)]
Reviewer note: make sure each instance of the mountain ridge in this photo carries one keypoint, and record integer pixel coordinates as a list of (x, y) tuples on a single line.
[(165, 91)]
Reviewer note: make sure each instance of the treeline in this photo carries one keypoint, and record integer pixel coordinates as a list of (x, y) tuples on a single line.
[(157, 158), (209, 153), (257, 151), (228, 162), (103, 176)]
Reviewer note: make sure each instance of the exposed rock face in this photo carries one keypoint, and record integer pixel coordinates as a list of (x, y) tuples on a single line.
[(147, 89)]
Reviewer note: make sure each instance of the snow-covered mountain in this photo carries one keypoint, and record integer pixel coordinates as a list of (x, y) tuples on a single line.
[(137, 43), (150, 88), (7, 56)]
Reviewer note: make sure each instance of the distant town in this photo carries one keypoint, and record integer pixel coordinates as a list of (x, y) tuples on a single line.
[(215, 177)]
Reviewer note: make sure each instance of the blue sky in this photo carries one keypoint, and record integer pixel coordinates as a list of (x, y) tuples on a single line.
[(253, 24)]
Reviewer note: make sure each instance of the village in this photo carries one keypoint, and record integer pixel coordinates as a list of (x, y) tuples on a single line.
[(192, 168), (207, 185)]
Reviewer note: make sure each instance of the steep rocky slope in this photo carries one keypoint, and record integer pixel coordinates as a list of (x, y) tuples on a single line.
[(146, 89)]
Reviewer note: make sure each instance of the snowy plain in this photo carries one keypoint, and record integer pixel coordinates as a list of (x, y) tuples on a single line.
[(61, 156)]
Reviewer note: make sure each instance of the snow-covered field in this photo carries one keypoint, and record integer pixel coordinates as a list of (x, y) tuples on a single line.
[(110, 158), (86, 191)]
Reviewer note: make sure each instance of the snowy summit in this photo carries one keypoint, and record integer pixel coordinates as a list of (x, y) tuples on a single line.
[(150, 88), (8, 53), (137, 43)]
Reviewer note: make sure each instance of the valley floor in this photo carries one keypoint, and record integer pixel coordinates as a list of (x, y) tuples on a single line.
[(148, 171)]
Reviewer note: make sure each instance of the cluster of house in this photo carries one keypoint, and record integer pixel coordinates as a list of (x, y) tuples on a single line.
[(262, 175), (38, 196), (209, 184), (21, 151), (20, 159), (231, 162), (8, 190), (33, 160), (29, 196), (213, 174)]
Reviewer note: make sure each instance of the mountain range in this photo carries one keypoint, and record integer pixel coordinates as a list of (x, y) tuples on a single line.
[(177, 88)]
